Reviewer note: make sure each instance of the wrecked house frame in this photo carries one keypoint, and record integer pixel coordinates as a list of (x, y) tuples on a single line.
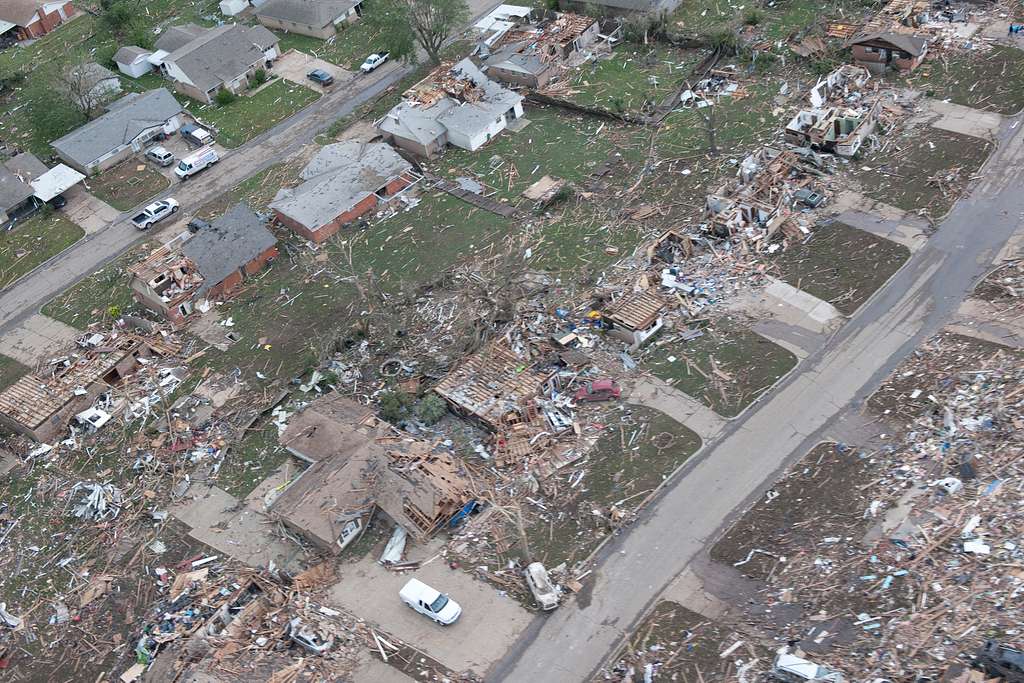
[(41, 404), (833, 129), (528, 47), (360, 465), (210, 264), (635, 317), (495, 382)]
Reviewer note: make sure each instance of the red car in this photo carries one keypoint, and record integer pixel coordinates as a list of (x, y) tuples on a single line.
[(598, 390)]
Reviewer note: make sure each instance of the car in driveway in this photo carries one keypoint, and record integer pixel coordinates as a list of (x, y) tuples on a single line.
[(374, 61), (196, 135), (154, 213), (598, 390), (159, 155), (320, 77), (430, 602)]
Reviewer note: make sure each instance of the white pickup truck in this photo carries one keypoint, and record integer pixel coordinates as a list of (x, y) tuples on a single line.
[(196, 162), (154, 213), (373, 61), (429, 602)]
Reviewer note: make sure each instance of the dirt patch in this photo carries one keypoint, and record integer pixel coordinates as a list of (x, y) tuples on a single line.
[(128, 184), (841, 264), (922, 169), (677, 644), (727, 368)]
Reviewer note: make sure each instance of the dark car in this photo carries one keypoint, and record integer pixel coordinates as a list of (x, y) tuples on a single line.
[(320, 76)]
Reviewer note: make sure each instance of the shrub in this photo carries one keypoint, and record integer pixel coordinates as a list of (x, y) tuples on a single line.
[(752, 17), (259, 77), (394, 405), (724, 40), (224, 97), (431, 409)]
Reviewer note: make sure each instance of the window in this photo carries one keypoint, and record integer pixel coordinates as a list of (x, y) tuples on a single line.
[(438, 604)]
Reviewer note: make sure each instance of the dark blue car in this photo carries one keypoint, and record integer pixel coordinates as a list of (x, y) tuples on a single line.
[(320, 76)]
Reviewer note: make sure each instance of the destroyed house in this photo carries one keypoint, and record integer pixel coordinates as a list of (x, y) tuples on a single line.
[(343, 182), (209, 264), (635, 317), (842, 131), (359, 465), (41, 404), (456, 105), (493, 383), (527, 47), (889, 49)]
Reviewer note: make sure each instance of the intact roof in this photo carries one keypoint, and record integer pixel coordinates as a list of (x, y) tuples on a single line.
[(125, 119), (28, 166), (130, 53), (16, 176), (221, 54), (231, 241), (314, 13), (491, 382), (337, 179), (911, 44), (178, 36), (19, 12)]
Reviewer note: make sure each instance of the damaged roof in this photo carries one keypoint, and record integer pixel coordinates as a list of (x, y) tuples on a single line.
[(492, 382), (637, 311), (231, 241), (337, 179), (911, 44)]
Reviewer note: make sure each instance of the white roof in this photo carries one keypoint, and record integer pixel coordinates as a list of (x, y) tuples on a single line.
[(58, 179), (157, 58), (6, 26)]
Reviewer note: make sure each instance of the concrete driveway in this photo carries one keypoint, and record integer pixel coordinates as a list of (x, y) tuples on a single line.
[(88, 212), (294, 65), (489, 621)]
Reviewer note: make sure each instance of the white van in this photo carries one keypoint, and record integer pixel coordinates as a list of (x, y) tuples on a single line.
[(430, 602), (196, 162)]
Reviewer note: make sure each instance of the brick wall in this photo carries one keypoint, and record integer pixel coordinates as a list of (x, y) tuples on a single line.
[(322, 233)]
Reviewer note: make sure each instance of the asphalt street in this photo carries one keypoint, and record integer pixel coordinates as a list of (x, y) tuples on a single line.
[(752, 451)]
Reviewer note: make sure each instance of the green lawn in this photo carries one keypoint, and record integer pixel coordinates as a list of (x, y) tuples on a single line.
[(250, 115), (638, 447), (92, 298), (128, 184), (747, 365), (840, 264), (252, 460), (555, 143), (10, 371), (348, 49), (922, 169), (33, 242), (634, 78), (992, 80)]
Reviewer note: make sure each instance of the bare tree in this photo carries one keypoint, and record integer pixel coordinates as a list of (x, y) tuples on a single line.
[(83, 85)]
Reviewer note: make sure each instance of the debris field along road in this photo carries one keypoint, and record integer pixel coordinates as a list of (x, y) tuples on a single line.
[(682, 522), (94, 251)]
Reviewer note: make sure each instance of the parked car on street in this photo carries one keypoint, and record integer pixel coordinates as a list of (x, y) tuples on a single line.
[(196, 162), (374, 61), (154, 213), (430, 602), (160, 156), (544, 592), (598, 390), (321, 77), (196, 135)]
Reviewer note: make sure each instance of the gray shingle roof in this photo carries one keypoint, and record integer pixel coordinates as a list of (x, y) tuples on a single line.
[(129, 53), (178, 36), (314, 13), (222, 54), (125, 119), (339, 177), (231, 241), (19, 12)]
